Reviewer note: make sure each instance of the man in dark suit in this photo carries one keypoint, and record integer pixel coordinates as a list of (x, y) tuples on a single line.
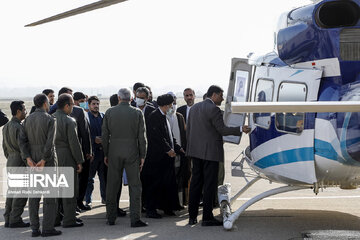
[(85, 140), (189, 97), (141, 101), (205, 128), (159, 168), (135, 87), (54, 107), (142, 97)]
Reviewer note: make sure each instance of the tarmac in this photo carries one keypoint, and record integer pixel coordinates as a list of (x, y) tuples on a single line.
[(332, 214)]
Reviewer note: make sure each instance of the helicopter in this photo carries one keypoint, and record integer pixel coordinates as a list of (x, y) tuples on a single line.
[(302, 102)]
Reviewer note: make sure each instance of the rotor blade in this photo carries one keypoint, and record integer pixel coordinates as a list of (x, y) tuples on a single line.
[(83, 9), (280, 107)]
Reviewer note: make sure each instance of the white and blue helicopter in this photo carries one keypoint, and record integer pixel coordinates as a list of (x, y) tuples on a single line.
[(302, 101)]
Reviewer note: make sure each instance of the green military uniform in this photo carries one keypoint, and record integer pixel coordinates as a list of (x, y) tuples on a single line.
[(124, 143), (15, 150), (40, 131), (69, 154)]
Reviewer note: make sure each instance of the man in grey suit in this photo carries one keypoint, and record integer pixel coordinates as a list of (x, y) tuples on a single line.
[(205, 128), (124, 144)]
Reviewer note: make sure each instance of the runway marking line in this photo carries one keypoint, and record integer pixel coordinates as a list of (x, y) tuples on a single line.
[(297, 198)]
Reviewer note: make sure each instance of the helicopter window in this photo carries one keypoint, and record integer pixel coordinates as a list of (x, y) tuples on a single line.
[(291, 122), (264, 93)]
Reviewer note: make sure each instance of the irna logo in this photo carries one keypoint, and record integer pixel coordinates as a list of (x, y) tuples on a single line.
[(34, 180)]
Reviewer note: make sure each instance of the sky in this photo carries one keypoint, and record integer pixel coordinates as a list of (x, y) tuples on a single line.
[(166, 44)]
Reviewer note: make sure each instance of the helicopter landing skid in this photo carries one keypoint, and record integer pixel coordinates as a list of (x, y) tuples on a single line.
[(229, 218)]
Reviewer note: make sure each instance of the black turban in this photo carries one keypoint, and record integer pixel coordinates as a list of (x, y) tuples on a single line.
[(164, 100)]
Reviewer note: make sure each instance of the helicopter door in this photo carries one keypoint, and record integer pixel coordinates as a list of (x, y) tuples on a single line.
[(238, 91)]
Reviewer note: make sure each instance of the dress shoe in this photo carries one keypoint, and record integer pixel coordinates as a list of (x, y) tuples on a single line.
[(192, 221), (81, 206), (169, 213), (50, 233), (212, 222), (110, 223), (121, 213), (6, 224), (153, 215), (76, 224), (103, 201), (138, 223), (79, 220), (35, 233), (19, 225), (77, 209)]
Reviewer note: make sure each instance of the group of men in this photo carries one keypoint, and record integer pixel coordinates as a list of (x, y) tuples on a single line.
[(161, 150)]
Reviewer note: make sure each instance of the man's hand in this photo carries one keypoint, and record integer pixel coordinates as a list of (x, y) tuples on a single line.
[(171, 153), (142, 161), (79, 168), (106, 161), (98, 140), (40, 165), (30, 162), (246, 129), (182, 150)]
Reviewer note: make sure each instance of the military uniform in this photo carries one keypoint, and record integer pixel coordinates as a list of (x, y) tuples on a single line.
[(40, 131), (69, 154), (15, 150), (124, 143)]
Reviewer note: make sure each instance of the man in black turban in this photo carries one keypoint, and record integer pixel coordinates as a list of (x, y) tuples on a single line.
[(159, 168)]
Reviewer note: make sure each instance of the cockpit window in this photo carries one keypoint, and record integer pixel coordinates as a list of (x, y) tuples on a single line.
[(264, 93), (291, 122)]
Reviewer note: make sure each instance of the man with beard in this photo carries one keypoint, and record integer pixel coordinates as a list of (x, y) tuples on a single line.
[(40, 131), (97, 165), (205, 128), (189, 97), (51, 96), (159, 168)]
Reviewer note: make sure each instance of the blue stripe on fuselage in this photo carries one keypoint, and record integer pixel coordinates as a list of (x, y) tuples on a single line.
[(285, 157), (325, 149)]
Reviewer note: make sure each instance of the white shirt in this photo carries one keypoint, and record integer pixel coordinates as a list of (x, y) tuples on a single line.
[(143, 110), (169, 129), (187, 112)]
